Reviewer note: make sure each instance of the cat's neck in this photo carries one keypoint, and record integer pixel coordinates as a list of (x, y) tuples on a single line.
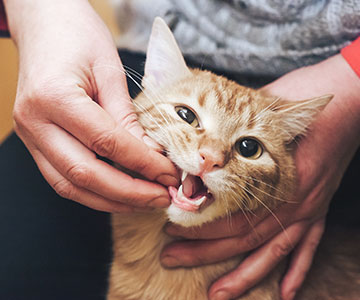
[(140, 236), (138, 242)]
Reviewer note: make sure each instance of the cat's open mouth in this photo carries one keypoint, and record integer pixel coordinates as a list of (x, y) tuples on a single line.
[(192, 195)]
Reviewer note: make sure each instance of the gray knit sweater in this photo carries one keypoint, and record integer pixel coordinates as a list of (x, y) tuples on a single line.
[(254, 37)]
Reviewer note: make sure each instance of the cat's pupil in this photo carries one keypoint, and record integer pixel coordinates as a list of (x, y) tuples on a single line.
[(249, 148), (187, 115)]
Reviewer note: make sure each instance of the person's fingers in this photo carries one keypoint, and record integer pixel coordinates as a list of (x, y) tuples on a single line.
[(301, 260), (96, 129), (198, 252), (258, 264), (113, 96), (240, 224), (62, 186), (262, 223), (82, 169)]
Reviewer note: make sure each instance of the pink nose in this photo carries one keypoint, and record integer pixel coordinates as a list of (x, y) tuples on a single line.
[(210, 159)]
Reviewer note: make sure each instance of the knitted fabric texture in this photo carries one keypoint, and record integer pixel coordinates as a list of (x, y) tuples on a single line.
[(254, 37)]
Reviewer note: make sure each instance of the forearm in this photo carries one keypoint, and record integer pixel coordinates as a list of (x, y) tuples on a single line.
[(33, 23), (24, 14), (332, 76), (51, 35), (334, 137), (341, 120)]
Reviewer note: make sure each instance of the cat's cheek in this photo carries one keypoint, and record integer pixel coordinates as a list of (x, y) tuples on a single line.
[(189, 219)]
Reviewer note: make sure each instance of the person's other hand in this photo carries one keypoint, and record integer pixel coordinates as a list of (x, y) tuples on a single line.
[(72, 103), (321, 159)]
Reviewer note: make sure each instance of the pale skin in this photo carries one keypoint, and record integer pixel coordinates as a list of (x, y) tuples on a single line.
[(72, 101)]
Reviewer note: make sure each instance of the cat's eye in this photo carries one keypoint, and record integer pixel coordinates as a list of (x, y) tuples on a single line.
[(187, 115), (249, 148)]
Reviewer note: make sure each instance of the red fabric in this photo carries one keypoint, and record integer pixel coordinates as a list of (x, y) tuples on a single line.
[(351, 53), (4, 30)]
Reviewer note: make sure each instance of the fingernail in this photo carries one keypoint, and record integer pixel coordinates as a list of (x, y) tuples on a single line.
[(167, 180), (220, 295), (170, 261), (160, 202)]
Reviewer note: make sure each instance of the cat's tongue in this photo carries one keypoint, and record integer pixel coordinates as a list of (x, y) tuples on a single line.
[(191, 185), (192, 194)]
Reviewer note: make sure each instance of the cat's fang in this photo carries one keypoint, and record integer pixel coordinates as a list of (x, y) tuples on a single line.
[(200, 201), (183, 175), (187, 204)]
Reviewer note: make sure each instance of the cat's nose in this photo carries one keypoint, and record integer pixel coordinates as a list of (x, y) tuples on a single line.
[(209, 159)]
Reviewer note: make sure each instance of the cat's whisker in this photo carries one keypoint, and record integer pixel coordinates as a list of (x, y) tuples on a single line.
[(236, 195), (260, 181), (272, 213), (260, 190), (151, 90), (273, 126), (241, 205), (259, 115), (145, 92), (150, 116), (126, 73), (159, 138)]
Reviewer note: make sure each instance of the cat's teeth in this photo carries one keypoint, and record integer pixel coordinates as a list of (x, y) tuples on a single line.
[(183, 176), (200, 201), (180, 191)]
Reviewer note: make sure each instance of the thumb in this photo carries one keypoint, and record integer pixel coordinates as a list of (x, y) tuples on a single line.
[(113, 96)]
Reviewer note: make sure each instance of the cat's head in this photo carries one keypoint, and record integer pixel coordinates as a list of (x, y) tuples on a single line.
[(230, 143)]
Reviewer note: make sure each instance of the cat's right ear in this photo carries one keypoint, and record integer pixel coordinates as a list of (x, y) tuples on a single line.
[(164, 61), (296, 116)]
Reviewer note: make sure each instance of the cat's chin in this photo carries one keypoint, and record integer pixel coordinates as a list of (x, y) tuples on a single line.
[(189, 219)]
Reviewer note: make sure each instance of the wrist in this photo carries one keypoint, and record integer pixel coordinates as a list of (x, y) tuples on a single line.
[(32, 17), (337, 128)]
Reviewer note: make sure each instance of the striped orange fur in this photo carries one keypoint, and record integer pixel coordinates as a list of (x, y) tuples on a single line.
[(227, 113)]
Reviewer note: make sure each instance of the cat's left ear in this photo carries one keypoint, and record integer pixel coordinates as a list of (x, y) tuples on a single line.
[(164, 61), (296, 116)]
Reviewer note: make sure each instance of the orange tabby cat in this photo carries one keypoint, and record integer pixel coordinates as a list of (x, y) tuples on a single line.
[(233, 147)]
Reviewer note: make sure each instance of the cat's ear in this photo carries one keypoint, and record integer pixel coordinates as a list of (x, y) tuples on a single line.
[(164, 61), (296, 116)]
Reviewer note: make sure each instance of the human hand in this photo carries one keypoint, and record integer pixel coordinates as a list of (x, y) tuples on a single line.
[(321, 159), (72, 102)]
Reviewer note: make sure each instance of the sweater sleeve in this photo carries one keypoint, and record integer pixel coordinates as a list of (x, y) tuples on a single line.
[(351, 53), (4, 30)]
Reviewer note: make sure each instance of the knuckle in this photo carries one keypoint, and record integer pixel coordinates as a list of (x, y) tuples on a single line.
[(281, 250), (194, 259), (20, 115), (199, 260), (313, 244), (32, 101), (105, 145), (253, 240), (79, 175), (64, 189), (142, 165), (245, 281), (193, 233)]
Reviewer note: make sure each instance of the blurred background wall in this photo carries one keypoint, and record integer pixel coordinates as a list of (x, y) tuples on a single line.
[(9, 69)]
